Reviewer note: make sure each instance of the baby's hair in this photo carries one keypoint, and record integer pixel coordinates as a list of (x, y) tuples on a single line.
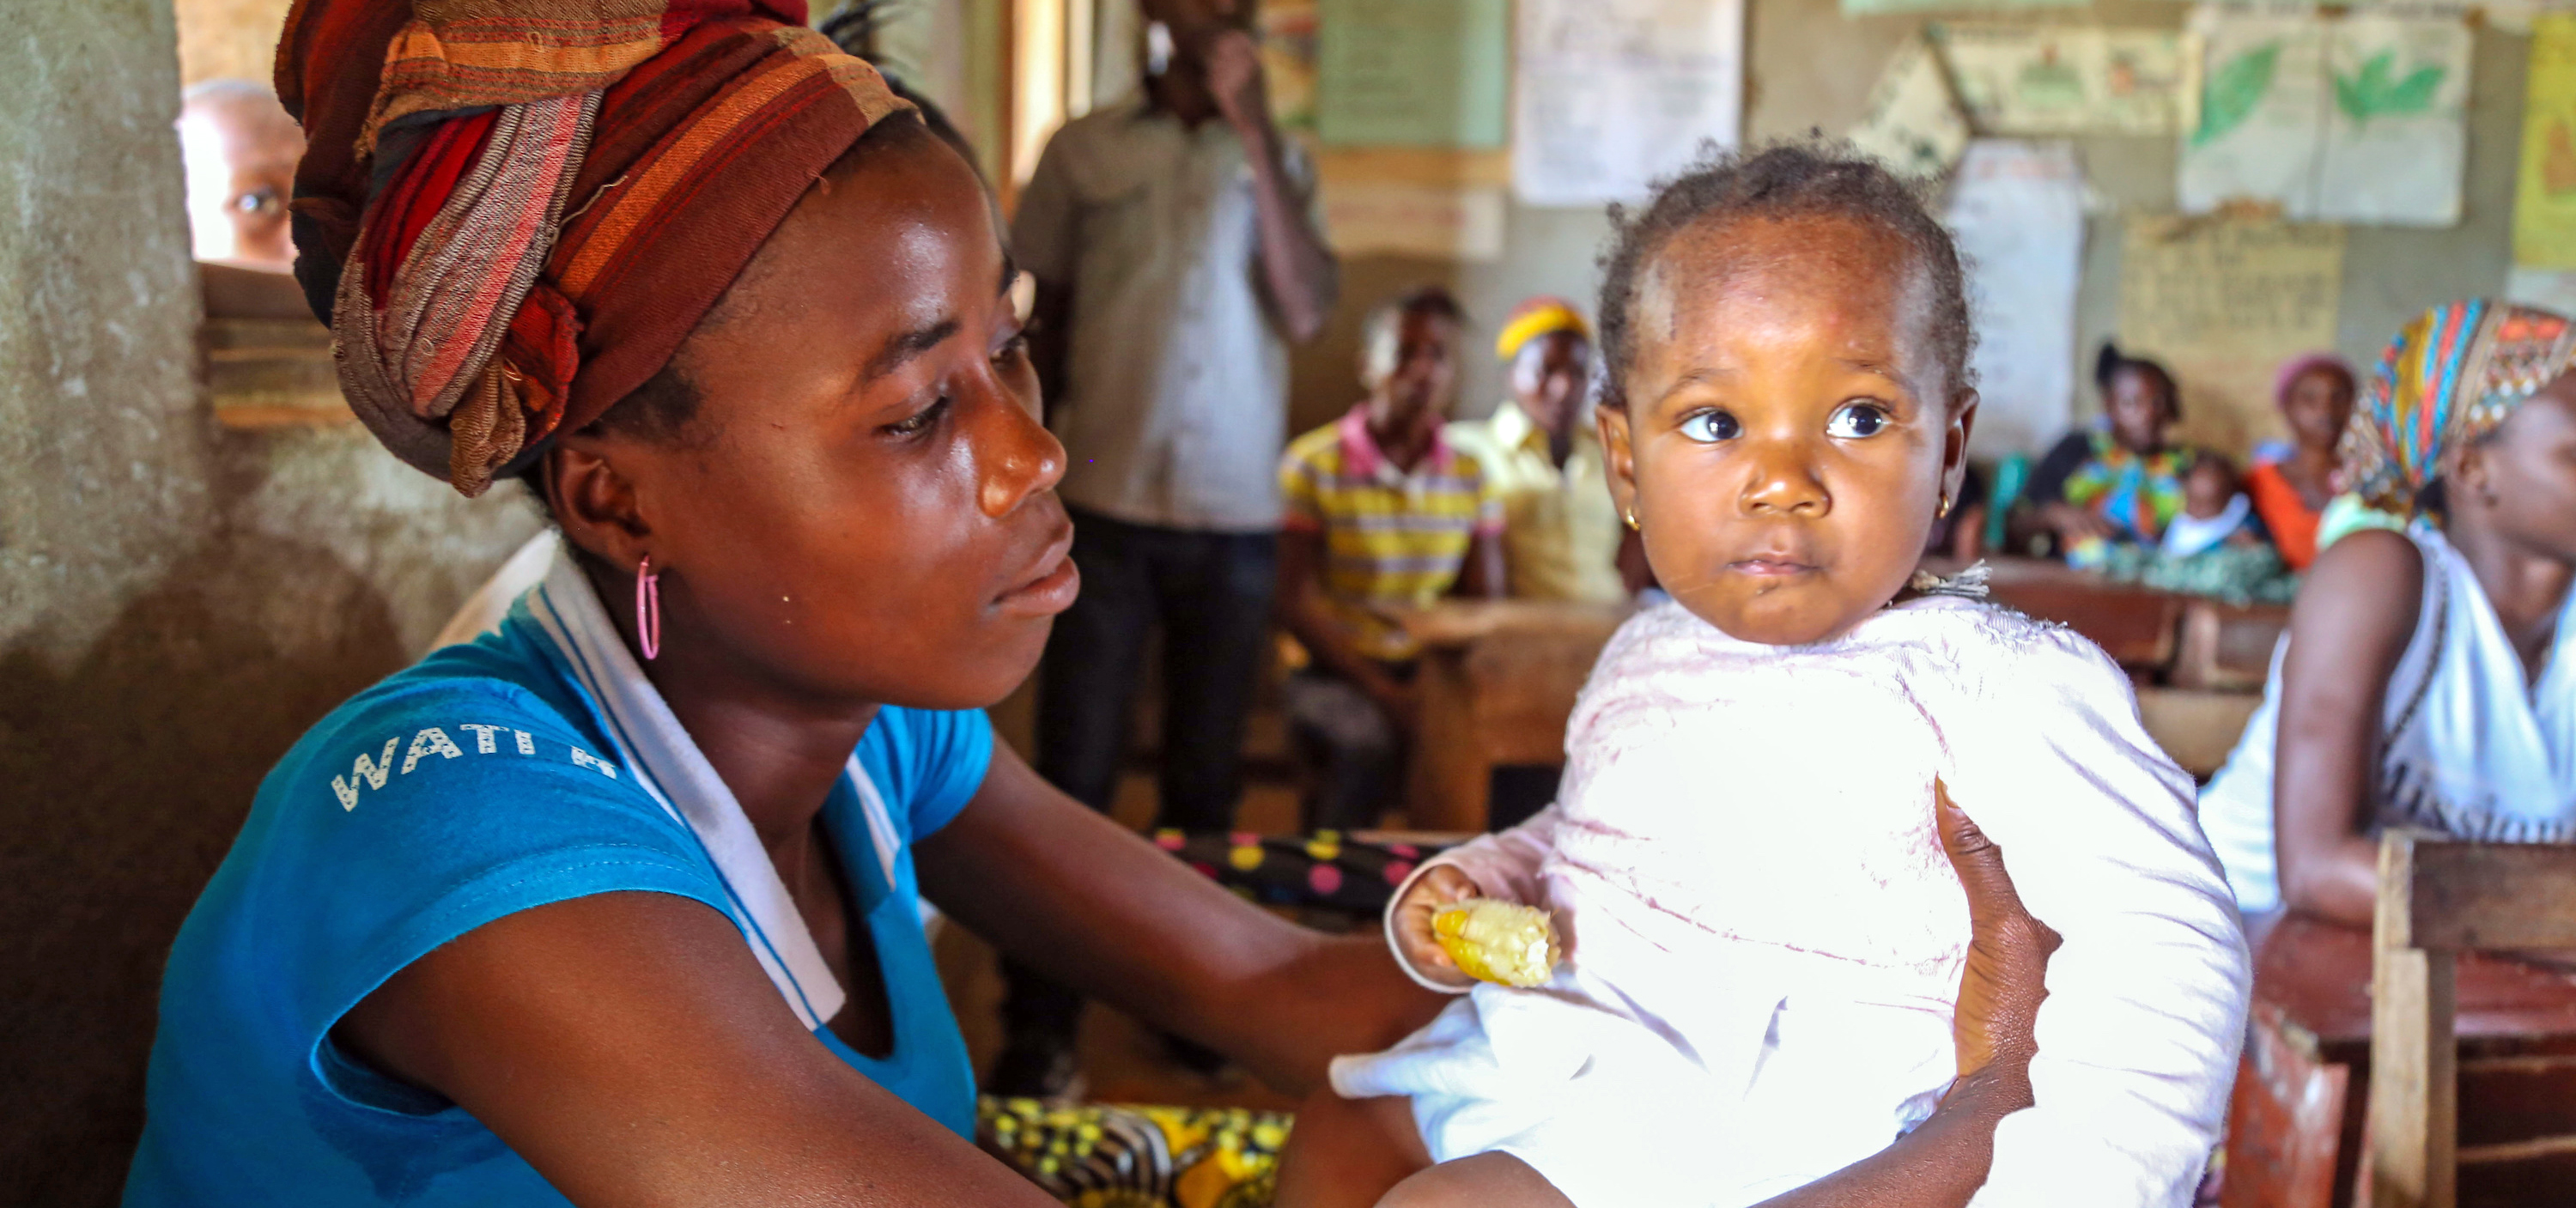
[(1808, 178), (2110, 363)]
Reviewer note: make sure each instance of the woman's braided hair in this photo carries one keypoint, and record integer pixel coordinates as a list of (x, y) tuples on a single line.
[(1810, 178)]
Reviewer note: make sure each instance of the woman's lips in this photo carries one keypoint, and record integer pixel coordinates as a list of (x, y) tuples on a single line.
[(1052, 589)]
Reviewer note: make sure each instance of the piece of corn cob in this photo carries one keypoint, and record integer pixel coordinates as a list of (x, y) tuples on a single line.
[(1501, 942)]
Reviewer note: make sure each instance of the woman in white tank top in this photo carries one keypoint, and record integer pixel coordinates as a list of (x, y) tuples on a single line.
[(2422, 682)]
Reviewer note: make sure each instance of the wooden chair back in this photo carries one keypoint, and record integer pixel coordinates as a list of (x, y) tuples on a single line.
[(2439, 898)]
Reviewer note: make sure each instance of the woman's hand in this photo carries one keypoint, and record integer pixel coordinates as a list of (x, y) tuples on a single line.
[(2073, 524), (2006, 978), (1414, 939), (1942, 1163)]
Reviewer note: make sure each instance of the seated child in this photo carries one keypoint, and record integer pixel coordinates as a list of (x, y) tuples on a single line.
[(1763, 938), (2215, 510), (1382, 513), (2216, 546)]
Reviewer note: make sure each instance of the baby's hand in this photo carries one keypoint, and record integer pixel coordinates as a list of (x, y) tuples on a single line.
[(1414, 939)]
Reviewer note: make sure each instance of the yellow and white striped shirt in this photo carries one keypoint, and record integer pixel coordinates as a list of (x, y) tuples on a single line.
[(1390, 537)]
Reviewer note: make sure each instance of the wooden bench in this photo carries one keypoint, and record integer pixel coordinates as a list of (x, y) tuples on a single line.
[(2295, 1134), (2439, 899)]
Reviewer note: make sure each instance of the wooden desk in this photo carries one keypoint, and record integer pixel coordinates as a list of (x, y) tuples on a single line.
[(2295, 1126), (1497, 682)]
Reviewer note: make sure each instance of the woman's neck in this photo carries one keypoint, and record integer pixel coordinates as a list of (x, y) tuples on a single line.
[(2528, 591), (2311, 470), (1404, 443), (779, 751)]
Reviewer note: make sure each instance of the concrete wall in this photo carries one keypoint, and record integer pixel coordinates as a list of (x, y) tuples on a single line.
[(1812, 68), (177, 602)]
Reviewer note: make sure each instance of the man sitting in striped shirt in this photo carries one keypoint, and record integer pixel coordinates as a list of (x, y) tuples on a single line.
[(1381, 513)]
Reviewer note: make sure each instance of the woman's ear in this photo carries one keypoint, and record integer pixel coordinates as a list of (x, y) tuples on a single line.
[(2466, 475), (594, 503), (1954, 444), (1618, 456)]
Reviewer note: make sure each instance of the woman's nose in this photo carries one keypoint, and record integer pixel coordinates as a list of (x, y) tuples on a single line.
[(1784, 481), (1020, 457)]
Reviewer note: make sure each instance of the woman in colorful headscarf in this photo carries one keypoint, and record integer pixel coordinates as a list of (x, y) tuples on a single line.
[(2292, 482), (619, 904), (2428, 678), (2120, 480)]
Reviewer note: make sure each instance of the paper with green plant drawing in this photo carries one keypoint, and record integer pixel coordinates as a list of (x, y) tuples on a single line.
[(2068, 79), (2361, 119), (2544, 204)]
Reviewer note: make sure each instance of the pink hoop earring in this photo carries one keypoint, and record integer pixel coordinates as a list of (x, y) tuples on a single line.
[(648, 608)]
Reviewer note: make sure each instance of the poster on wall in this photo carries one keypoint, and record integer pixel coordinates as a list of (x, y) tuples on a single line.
[(1615, 94), (1412, 73), (2308, 113), (1913, 124), (1431, 222), (2223, 302), (2069, 79), (2544, 203), (2017, 210)]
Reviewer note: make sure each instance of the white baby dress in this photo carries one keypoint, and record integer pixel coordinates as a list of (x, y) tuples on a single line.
[(1765, 939)]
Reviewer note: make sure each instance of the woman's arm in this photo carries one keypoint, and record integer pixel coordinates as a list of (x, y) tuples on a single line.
[(630, 1048), (1092, 904), (2354, 616), (1481, 576)]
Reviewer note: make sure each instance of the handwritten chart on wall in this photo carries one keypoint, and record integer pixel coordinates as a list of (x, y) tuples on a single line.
[(1412, 73), (2222, 303), (2309, 113), (1913, 123), (1616, 93)]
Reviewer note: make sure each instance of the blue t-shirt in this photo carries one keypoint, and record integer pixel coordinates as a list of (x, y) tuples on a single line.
[(479, 783)]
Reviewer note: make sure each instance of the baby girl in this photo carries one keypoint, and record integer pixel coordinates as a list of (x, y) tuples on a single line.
[(1763, 938)]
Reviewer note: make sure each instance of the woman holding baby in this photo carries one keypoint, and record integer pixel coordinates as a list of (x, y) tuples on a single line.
[(619, 904)]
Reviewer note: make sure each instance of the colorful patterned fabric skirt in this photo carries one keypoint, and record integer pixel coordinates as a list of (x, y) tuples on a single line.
[(1103, 1156)]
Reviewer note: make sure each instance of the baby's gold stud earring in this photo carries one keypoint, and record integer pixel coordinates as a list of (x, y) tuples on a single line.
[(1944, 513), (1631, 517)]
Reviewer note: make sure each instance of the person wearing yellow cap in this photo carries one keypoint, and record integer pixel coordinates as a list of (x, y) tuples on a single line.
[(1560, 531)]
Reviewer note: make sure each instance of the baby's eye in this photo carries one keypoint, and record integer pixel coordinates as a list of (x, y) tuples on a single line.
[(1856, 421), (1710, 427)]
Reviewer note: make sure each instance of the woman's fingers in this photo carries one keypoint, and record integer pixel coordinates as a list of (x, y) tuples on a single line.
[(2007, 968)]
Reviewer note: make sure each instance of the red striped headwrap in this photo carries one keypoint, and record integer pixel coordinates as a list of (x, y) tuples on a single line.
[(512, 211)]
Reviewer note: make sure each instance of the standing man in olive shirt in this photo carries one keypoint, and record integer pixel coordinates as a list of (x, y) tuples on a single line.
[(1175, 244)]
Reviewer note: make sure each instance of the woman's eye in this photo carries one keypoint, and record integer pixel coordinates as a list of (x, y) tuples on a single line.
[(1857, 421), (1710, 427), (920, 421)]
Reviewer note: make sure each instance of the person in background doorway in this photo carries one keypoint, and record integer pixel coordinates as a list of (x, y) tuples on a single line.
[(1382, 513), (1175, 244), (1542, 456), (2293, 481), (2120, 481), (239, 148)]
